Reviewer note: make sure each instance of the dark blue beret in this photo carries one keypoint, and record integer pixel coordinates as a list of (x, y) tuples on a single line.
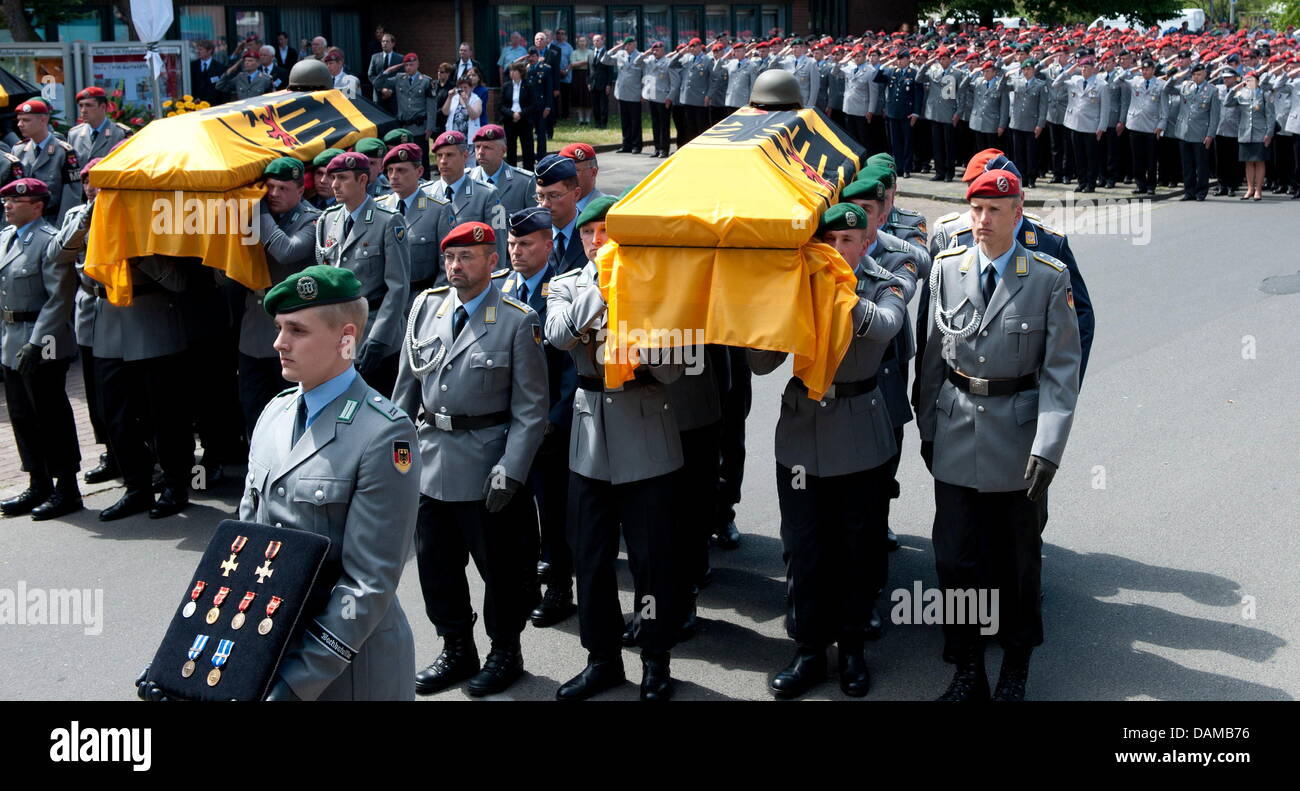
[(530, 220), (554, 168)]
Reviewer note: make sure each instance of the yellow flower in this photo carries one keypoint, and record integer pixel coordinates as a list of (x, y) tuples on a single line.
[(170, 113), (188, 98), (167, 103)]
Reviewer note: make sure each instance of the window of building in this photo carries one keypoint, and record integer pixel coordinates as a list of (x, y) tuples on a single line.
[(514, 19), (302, 25), (717, 19), (345, 33), (200, 22), (588, 20), (552, 18), (626, 23), (688, 20), (657, 24), (747, 23), (773, 17)]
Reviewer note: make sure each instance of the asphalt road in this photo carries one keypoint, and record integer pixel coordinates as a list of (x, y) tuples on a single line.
[(1170, 560)]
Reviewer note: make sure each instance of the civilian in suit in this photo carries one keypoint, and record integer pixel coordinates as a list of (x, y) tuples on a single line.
[(205, 71), (285, 53), (267, 65), (516, 113), (379, 63), (600, 80)]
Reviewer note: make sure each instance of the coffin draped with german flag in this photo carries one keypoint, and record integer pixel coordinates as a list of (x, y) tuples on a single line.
[(719, 240), (189, 185)]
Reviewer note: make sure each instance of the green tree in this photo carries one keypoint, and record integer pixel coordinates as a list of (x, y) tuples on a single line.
[(19, 14), (1055, 12)]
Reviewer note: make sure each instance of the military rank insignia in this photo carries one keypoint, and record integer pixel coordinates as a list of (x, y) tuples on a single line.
[(1069, 297), (909, 266), (896, 291), (1031, 239), (402, 456), (399, 231), (537, 334)]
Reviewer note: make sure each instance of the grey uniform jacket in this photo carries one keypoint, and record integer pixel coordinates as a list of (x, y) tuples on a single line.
[(37, 276), (1058, 96), (835, 78), (942, 92), (909, 267), (57, 164), (695, 397), (806, 74), (859, 86), (984, 442), (1256, 120), (516, 188), (153, 325), (717, 83), (89, 146), (695, 77), (290, 247), (243, 86), (1028, 102), (1198, 116), (627, 86), (659, 82), (1114, 94), (341, 480), (1229, 115), (377, 253), (474, 202), (740, 80), (1089, 102), (73, 238), (415, 98), (989, 105), (496, 364), (620, 436), (1142, 103), (424, 219), (839, 436), (1291, 121)]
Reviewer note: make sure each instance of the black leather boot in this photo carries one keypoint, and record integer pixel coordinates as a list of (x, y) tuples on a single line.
[(66, 499), (656, 679), (970, 681), (557, 605), (1014, 674), (36, 493), (457, 662), (805, 671), (855, 679), (106, 471), (502, 668), (600, 674)]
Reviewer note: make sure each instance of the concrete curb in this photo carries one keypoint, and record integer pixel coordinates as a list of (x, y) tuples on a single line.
[(1039, 196)]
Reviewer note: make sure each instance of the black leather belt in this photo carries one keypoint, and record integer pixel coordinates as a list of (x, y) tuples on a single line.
[(597, 385), (842, 389), (20, 316), (101, 291), (465, 422), (992, 387)]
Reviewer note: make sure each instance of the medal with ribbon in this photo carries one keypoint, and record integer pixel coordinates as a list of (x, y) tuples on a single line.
[(215, 612), (265, 626), (238, 621), (263, 571), (196, 650), (230, 565), (219, 659), (192, 605)]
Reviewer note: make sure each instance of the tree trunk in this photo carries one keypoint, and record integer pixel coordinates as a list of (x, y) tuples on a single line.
[(124, 8), (19, 25)]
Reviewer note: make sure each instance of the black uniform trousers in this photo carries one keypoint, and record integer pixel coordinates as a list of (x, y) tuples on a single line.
[(1196, 168), (519, 134), (1144, 158), (985, 140), (538, 123), (900, 143), (504, 548), (856, 126), (1024, 148), (1111, 152), (93, 405), (1062, 151), (629, 117), (1283, 161), (599, 108), (682, 123), (698, 120), (990, 541), (941, 144), (922, 143), (41, 415), (146, 421), (697, 486), (660, 126), (1170, 166), (877, 135), (1228, 169), (259, 382), (647, 511), (1295, 160), (833, 537), (549, 481), (736, 403), (1087, 157)]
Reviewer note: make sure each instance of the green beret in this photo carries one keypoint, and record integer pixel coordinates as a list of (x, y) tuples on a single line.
[(315, 285), (398, 136), (1028, 63), (284, 169), (843, 217), (879, 173), (629, 40), (596, 210), (323, 158), (883, 159), (864, 189), (372, 147)]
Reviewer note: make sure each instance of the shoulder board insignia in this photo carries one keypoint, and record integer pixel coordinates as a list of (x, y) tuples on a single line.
[(1037, 219), (501, 273), (906, 212), (66, 145), (385, 208), (1022, 266), (951, 251), (383, 200), (335, 207), (123, 127), (439, 289), (384, 407), (370, 215), (349, 410), (949, 217), (490, 314), (1050, 261), (1042, 226), (287, 391), (514, 303), (570, 273)]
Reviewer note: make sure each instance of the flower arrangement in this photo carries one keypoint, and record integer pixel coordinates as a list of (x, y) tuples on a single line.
[(185, 104)]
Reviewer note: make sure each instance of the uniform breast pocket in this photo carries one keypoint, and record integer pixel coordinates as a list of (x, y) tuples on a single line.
[(662, 441), (322, 505), (28, 284), (492, 369), (255, 488), (1025, 335)]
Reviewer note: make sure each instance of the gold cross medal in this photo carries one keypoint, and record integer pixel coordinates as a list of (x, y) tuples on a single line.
[(195, 651), (265, 626), (218, 659), (263, 571), (215, 612), (191, 606), (230, 565), (238, 621)]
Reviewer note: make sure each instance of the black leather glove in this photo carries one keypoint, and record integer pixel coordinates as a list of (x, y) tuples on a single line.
[(148, 690), (927, 454), (280, 690), (140, 684), (370, 357), (1039, 473), (28, 358), (499, 491)]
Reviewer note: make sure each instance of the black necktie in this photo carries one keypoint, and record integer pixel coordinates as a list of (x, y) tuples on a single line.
[(990, 283), (523, 291), (401, 206), (300, 422), (559, 248), (347, 228), (450, 194), (458, 320)]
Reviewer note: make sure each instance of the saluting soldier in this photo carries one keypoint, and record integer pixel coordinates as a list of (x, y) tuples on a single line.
[(514, 185), (716, 98), (47, 158), (741, 70), (1198, 118), (423, 212), (832, 476), (1085, 116), (942, 84), (471, 200), (244, 79), (37, 284), (697, 68), (1058, 100), (627, 92), (1227, 169), (360, 235), (804, 69), (335, 457), (1141, 117), (473, 372), (96, 135), (661, 85), (902, 105), (414, 93), (998, 387), (528, 279), (287, 228), (1028, 116), (990, 108), (541, 82), (623, 453)]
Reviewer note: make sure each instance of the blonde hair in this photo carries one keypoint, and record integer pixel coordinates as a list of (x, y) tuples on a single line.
[(356, 311)]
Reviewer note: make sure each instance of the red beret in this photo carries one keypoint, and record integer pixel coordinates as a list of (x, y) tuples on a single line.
[(988, 64), (693, 42), (251, 53), (994, 184), (449, 138), (410, 57), (403, 152), (85, 169), (349, 160), (490, 132), (33, 107), (578, 152), (468, 234), (739, 45), (93, 92), (717, 46), (976, 164), (25, 188)]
